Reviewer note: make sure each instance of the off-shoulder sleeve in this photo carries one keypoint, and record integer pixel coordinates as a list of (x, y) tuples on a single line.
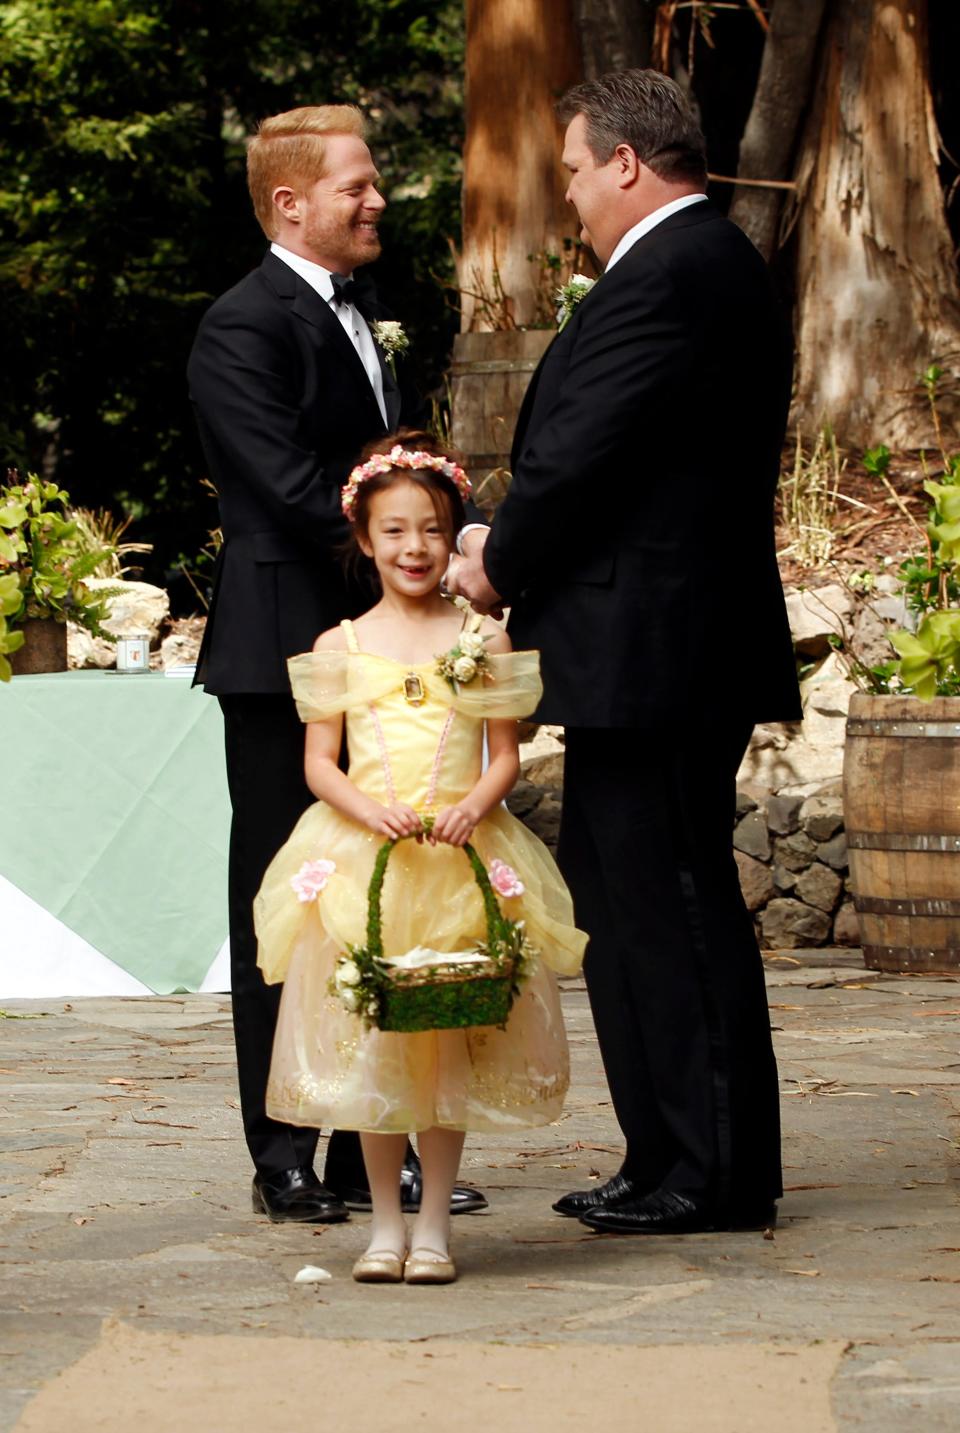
[(326, 683), (513, 688)]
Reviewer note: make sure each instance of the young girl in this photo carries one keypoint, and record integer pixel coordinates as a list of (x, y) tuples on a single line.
[(415, 743)]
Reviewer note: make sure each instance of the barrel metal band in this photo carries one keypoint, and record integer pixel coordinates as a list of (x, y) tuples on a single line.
[(897, 841), (857, 726), (907, 956), (927, 906), (463, 367)]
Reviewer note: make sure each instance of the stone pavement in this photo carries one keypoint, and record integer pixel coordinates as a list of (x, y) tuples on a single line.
[(139, 1291)]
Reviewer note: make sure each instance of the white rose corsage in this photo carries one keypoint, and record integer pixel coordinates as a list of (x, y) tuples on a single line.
[(569, 295), (467, 660), (390, 339)]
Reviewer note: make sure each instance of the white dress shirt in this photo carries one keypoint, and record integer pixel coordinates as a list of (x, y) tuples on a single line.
[(651, 222), (354, 324)]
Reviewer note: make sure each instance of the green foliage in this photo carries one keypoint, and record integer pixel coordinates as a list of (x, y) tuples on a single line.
[(929, 658), (124, 211), (44, 562)]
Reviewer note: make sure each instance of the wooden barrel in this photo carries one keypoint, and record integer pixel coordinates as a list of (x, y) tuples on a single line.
[(44, 648), (489, 377), (901, 794)]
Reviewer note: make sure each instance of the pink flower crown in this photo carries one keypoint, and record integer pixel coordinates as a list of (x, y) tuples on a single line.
[(399, 457)]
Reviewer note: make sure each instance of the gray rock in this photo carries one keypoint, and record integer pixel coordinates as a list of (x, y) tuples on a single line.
[(545, 822), (833, 853), (846, 927), (788, 924), (796, 852), (816, 614), (756, 881), (821, 816), (751, 836), (820, 887), (745, 803), (783, 814), (784, 880), (524, 799)]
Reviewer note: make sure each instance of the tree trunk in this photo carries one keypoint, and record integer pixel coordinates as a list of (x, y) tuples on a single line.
[(615, 34), (768, 141), (513, 187), (877, 291)]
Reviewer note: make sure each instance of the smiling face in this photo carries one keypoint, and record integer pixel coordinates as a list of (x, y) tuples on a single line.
[(408, 539), (595, 191), (334, 221)]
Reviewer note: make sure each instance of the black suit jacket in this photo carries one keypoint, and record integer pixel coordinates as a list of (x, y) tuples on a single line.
[(284, 406), (636, 541)]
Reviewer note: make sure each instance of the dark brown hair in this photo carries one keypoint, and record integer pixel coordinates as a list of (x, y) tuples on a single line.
[(443, 491), (646, 110)]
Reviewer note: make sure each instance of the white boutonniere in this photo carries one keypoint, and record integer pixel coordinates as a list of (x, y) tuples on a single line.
[(570, 295), (391, 339)]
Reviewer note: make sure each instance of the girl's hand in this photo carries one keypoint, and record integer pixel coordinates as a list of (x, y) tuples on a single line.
[(394, 821), (453, 825)]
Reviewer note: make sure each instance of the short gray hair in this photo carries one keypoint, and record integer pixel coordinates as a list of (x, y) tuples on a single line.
[(646, 110)]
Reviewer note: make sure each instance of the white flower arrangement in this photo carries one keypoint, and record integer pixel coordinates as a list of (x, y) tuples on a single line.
[(571, 294), (391, 339), (464, 662)]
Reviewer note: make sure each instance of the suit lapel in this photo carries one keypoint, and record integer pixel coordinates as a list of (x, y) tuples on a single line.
[(391, 389), (307, 304)]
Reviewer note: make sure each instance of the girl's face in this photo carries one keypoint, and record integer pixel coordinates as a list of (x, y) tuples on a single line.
[(410, 545)]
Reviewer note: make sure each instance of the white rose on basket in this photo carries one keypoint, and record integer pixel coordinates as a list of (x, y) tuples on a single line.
[(350, 999), (471, 644), (465, 669), (348, 973)]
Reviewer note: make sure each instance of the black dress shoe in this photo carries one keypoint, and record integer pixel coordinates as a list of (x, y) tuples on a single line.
[(356, 1195), (664, 1212), (604, 1196), (296, 1195)]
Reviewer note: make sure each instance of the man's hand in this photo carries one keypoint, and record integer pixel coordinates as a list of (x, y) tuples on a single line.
[(466, 578)]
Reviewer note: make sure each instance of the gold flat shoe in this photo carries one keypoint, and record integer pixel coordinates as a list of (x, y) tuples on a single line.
[(379, 1266), (429, 1266)]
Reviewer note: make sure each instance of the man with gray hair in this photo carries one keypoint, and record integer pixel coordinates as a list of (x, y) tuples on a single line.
[(650, 442)]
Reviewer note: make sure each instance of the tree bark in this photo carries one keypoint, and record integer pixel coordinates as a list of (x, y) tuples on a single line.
[(513, 188), (615, 34), (783, 88), (877, 290)]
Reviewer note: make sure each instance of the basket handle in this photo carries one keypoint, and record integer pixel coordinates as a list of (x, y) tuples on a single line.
[(491, 906)]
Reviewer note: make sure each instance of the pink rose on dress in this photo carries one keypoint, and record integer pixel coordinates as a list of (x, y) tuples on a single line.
[(311, 879), (505, 880)]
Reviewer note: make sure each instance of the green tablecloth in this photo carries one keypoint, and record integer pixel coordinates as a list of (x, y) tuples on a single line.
[(115, 816)]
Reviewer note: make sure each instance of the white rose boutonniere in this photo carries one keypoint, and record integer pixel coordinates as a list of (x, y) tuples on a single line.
[(570, 295), (390, 339)]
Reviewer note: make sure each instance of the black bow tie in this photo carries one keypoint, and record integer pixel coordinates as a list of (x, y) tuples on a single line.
[(350, 291)]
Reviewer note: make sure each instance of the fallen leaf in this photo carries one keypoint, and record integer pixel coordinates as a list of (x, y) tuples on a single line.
[(793, 1188), (915, 1093), (119, 1080), (82, 1219), (167, 1124), (804, 1273)]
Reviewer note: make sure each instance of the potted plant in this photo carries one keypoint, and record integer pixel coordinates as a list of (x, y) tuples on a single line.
[(901, 777), (43, 563)]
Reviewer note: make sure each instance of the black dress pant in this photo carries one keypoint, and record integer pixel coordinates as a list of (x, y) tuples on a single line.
[(673, 969), (264, 748)]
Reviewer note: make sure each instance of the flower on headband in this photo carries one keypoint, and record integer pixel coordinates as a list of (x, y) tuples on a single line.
[(413, 459)]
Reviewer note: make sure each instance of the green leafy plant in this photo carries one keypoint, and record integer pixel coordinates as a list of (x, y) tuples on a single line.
[(928, 659), (43, 563)]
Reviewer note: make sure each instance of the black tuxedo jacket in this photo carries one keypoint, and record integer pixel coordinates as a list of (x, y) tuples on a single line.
[(284, 406), (636, 541)]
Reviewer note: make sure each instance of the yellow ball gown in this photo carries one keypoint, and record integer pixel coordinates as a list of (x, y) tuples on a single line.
[(328, 1068)]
